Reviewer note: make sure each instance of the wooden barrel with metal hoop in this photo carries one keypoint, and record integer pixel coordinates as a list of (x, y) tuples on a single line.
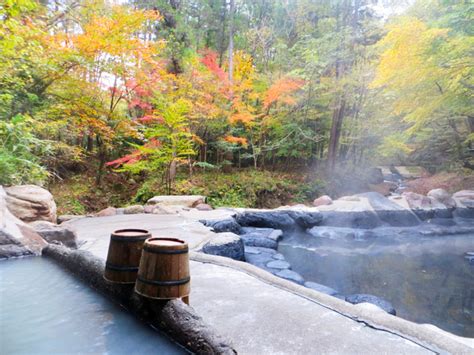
[(164, 269), (124, 254)]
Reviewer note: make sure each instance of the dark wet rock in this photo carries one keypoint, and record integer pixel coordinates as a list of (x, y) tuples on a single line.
[(273, 219), (270, 233), (320, 288), (223, 225), (13, 251), (255, 239), (291, 276), (225, 244), (278, 264), (464, 212), (306, 219), (253, 250), (379, 302), (53, 233)]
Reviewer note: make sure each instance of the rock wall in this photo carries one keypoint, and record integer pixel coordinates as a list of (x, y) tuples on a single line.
[(16, 237)]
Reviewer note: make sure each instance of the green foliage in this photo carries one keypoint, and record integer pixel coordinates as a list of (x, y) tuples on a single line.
[(244, 188), (19, 151)]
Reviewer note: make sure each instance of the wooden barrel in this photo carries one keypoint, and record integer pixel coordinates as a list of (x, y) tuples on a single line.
[(164, 269), (124, 254)]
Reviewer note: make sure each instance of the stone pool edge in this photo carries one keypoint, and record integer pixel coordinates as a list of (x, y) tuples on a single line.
[(175, 318), (425, 335)]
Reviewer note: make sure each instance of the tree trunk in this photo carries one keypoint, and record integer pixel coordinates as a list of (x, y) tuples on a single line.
[(231, 40), (335, 134)]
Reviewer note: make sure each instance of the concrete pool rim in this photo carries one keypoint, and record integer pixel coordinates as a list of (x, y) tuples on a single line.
[(425, 335)]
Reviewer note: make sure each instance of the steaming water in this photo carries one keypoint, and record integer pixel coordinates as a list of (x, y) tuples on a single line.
[(44, 310), (428, 280)]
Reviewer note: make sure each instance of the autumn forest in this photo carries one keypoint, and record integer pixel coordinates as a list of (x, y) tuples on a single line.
[(250, 102)]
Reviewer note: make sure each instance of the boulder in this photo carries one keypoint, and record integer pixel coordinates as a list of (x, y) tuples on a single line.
[(223, 225), (225, 244), (464, 203), (31, 203), (135, 209), (442, 196), (204, 207), (426, 207), (464, 195), (320, 288), (16, 237), (379, 302), (148, 208), (255, 239), (306, 219), (270, 233), (389, 211), (270, 219), (53, 233), (164, 209), (109, 211), (322, 201), (182, 200)]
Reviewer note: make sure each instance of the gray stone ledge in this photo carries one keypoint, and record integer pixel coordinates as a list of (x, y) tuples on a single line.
[(426, 335)]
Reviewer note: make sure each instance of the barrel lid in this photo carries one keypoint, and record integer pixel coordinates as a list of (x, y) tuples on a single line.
[(131, 232), (171, 243)]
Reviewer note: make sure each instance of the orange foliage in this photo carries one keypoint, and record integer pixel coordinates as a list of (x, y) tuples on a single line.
[(243, 117), (281, 91), (236, 140)]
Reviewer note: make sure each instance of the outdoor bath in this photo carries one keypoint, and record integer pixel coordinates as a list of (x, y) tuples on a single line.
[(427, 279)]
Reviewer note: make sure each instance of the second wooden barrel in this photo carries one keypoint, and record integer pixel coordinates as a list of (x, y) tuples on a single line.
[(124, 255), (164, 269)]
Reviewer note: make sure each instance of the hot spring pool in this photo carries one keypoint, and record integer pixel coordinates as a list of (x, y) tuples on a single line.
[(45, 310), (427, 279)]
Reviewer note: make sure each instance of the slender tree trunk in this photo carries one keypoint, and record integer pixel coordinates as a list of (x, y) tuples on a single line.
[(231, 40), (335, 134)]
